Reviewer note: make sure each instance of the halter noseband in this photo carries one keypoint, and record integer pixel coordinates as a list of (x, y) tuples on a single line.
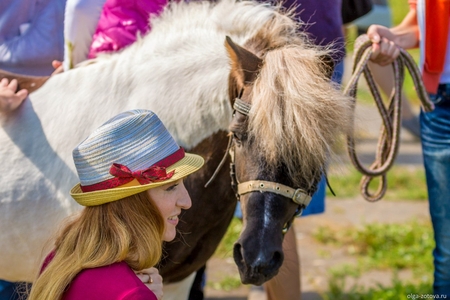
[(298, 196)]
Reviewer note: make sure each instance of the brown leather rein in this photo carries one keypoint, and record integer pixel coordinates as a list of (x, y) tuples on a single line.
[(388, 141)]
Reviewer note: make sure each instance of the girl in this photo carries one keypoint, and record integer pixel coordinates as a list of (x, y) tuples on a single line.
[(131, 181)]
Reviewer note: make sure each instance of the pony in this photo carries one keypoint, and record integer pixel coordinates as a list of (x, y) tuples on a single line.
[(232, 77)]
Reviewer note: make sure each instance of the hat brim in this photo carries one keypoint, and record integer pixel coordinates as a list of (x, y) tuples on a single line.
[(187, 165)]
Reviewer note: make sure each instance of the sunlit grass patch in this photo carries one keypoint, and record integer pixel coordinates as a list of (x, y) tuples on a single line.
[(398, 290), (399, 8), (403, 183), (384, 246), (226, 284), (225, 248)]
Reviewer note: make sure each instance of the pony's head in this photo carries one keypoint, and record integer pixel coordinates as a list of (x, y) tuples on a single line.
[(287, 114)]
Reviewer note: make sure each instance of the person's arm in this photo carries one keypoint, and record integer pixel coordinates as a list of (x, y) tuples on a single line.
[(30, 47), (386, 42), (407, 32), (9, 99)]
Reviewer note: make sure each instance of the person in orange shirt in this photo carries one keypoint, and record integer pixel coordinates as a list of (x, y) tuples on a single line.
[(427, 25)]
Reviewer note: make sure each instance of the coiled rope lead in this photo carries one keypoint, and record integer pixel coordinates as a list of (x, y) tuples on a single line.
[(388, 140)]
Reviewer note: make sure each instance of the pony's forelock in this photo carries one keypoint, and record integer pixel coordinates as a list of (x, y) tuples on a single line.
[(297, 113)]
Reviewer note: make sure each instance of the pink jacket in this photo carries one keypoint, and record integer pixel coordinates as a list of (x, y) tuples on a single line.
[(113, 282), (121, 21)]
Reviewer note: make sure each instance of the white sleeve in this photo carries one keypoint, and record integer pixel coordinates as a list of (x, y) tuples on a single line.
[(80, 21)]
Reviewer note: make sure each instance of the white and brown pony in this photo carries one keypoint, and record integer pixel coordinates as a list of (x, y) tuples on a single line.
[(265, 85)]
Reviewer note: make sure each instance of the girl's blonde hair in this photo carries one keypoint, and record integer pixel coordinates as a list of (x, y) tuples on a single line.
[(130, 230)]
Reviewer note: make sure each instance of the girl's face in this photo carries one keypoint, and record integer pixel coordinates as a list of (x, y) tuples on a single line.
[(170, 199)]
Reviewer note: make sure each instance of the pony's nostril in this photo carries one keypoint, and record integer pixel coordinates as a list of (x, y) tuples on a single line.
[(237, 253), (277, 258)]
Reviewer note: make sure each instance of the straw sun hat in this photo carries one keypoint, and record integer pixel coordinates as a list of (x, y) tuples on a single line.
[(129, 154)]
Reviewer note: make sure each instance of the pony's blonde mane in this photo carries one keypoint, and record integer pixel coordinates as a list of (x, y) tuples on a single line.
[(297, 112)]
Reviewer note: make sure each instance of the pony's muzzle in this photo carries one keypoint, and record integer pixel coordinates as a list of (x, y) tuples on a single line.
[(256, 267)]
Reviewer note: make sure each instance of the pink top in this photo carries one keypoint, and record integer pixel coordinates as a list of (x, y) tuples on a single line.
[(113, 282), (120, 22)]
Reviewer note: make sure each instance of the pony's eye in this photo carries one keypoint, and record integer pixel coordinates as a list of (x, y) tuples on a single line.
[(237, 140), (236, 137)]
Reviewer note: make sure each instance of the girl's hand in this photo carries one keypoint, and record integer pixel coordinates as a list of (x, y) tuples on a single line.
[(58, 66), (151, 278), (9, 99)]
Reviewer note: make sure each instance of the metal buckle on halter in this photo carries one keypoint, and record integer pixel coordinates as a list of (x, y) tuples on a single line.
[(242, 107), (301, 198)]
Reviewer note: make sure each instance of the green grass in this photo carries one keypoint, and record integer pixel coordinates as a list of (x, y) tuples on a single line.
[(225, 248), (399, 290), (225, 251), (399, 8), (384, 247), (227, 284), (402, 184)]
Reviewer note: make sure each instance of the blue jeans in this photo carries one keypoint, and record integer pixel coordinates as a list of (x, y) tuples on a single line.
[(435, 135), (317, 204), (8, 290)]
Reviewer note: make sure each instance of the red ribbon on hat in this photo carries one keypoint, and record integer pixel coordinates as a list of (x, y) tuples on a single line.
[(122, 174), (152, 174)]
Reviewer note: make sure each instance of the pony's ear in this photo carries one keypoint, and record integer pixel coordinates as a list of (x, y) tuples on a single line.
[(328, 65), (244, 64)]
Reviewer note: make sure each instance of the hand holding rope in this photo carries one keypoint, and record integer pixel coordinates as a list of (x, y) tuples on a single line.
[(388, 140)]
